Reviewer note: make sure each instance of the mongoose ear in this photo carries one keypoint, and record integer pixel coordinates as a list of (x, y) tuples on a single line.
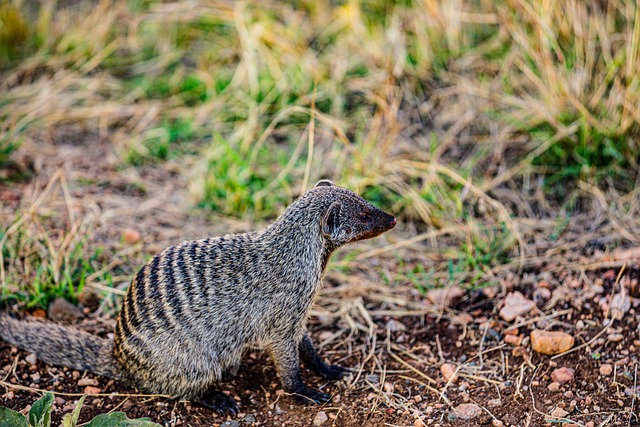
[(324, 183), (330, 223)]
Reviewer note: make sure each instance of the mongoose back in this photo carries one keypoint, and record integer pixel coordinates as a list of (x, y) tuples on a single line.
[(194, 308)]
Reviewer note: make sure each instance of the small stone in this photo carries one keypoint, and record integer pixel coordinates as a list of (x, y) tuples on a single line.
[(514, 340), (31, 359), (87, 381), (445, 296), (448, 371), (497, 423), (615, 337), (554, 386), (590, 424), (494, 403), (320, 418), (550, 343), (562, 375), (568, 394), (515, 304), (559, 413), (373, 378), (131, 236), (92, 390), (231, 423), (395, 326), (465, 411), (606, 369), (419, 423), (62, 311)]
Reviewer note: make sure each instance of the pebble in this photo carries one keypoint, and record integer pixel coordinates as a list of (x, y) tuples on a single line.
[(515, 304), (448, 371), (373, 378), (92, 390), (131, 236), (562, 375), (606, 369), (550, 343), (497, 423), (554, 386), (615, 337), (231, 423), (494, 403), (249, 419), (395, 326), (559, 413), (445, 296), (514, 340), (87, 381), (31, 359), (465, 411), (320, 418)]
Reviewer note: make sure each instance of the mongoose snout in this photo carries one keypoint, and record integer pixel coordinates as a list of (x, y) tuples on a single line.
[(193, 309)]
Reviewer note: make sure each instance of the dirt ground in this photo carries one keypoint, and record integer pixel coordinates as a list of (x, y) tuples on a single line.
[(395, 339)]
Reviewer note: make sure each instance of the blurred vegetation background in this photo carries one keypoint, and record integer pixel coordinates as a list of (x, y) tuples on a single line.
[(492, 126)]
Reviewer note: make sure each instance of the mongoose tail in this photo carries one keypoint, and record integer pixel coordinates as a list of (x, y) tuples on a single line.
[(60, 345)]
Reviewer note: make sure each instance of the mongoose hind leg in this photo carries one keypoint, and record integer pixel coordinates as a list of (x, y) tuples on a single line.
[(218, 402), (312, 360), (287, 361)]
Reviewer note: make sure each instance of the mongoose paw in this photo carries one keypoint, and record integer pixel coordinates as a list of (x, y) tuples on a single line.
[(309, 395), (218, 402), (333, 372)]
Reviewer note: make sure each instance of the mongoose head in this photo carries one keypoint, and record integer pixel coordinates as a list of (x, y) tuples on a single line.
[(348, 217)]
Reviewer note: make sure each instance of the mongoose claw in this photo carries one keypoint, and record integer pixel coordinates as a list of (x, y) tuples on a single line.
[(333, 372), (219, 402), (309, 395)]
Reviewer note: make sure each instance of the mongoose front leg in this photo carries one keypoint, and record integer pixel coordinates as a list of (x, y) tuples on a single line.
[(312, 359), (285, 356), (218, 402)]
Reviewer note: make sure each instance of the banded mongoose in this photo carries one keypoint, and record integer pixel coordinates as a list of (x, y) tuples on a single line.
[(193, 309)]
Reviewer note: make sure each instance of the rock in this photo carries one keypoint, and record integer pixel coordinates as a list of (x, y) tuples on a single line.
[(606, 369), (131, 237), (87, 381), (445, 296), (494, 403), (514, 340), (465, 411), (559, 413), (448, 371), (92, 390), (231, 423), (62, 311), (395, 326), (615, 337), (550, 343), (249, 419), (373, 378), (562, 375), (497, 423), (515, 304), (541, 296), (554, 386), (31, 359), (320, 418)]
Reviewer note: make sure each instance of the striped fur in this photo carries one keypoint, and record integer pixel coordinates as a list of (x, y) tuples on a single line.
[(194, 308)]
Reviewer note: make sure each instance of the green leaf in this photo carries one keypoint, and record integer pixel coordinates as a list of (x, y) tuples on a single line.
[(119, 419), (11, 418), (40, 413), (71, 420)]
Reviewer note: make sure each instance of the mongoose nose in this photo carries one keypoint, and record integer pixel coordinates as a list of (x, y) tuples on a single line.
[(393, 222)]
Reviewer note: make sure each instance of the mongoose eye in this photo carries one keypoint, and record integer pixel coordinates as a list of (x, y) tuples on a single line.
[(365, 217)]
